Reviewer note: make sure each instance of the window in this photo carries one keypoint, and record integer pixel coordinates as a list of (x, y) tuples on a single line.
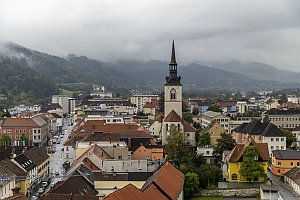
[(292, 164), (167, 127), (281, 147), (277, 147), (255, 157), (278, 171), (234, 176), (277, 139), (298, 164), (282, 139), (279, 163), (207, 152), (173, 94), (272, 147), (272, 139)]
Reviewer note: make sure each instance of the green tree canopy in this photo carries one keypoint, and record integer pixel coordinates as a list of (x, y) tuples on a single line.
[(290, 138), (195, 111), (204, 139), (177, 149), (191, 184), (214, 108), (226, 142), (188, 117), (5, 140), (209, 175), (251, 168)]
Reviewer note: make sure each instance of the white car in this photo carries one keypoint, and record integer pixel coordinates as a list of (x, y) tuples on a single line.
[(41, 190)]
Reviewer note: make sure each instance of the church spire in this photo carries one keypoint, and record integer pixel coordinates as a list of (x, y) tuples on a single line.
[(173, 58), (173, 79)]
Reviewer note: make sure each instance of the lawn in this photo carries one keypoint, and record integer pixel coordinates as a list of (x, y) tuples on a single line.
[(207, 198)]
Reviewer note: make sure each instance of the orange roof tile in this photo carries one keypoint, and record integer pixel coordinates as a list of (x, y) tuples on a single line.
[(168, 179), (19, 122), (129, 192), (237, 152)]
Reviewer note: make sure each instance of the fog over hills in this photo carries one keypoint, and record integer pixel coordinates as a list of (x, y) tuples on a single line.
[(79, 72)]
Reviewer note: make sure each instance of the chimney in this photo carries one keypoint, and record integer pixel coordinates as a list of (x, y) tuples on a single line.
[(13, 152), (24, 150)]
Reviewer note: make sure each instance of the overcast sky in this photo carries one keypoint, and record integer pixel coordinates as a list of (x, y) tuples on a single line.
[(265, 31)]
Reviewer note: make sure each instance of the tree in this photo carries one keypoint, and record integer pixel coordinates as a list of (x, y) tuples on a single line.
[(290, 138), (266, 119), (209, 175), (24, 138), (195, 111), (204, 139), (188, 117), (226, 142), (214, 108), (161, 102), (283, 99), (251, 168), (6, 140), (191, 184), (178, 150)]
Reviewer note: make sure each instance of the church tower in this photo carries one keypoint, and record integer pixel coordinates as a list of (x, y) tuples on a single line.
[(173, 88)]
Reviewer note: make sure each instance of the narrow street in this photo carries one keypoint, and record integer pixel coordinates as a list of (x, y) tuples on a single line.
[(57, 159), (285, 191)]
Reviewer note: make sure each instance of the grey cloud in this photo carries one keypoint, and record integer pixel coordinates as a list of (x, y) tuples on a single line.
[(215, 30)]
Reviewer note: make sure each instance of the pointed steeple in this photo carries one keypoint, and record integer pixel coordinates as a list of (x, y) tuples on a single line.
[(173, 57), (173, 79)]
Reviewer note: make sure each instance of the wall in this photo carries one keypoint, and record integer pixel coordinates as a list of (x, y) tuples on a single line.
[(248, 192), (284, 167)]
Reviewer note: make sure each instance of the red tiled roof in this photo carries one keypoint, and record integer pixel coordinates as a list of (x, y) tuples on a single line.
[(165, 183), (129, 192), (187, 127), (173, 117), (237, 152), (159, 118), (168, 179), (19, 122), (150, 105)]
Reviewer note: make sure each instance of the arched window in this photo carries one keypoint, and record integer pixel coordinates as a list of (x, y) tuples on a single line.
[(178, 127), (173, 94), (166, 127)]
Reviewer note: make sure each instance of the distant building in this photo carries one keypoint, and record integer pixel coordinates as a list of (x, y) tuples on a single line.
[(139, 100), (284, 160), (35, 129), (100, 91), (287, 119), (261, 133), (214, 130), (208, 117), (67, 103)]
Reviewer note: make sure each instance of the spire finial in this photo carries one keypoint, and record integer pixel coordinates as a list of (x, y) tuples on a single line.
[(173, 58)]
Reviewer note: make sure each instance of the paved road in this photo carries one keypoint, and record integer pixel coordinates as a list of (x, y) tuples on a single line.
[(285, 191), (57, 159)]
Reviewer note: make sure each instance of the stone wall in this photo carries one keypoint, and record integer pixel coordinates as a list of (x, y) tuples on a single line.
[(248, 192)]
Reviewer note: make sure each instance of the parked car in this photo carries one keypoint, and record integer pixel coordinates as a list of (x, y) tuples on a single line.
[(46, 182), (41, 190), (57, 173), (62, 149), (33, 197)]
